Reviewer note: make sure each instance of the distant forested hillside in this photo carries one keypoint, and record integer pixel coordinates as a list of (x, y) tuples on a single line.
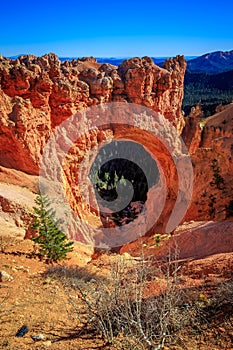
[(209, 89)]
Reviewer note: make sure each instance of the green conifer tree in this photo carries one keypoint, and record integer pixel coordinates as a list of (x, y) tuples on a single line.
[(52, 241), (218, 180)]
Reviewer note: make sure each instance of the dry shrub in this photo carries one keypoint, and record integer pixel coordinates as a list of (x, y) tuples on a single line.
[(220, 305), (120, 311), (224, 294), (129, 314)]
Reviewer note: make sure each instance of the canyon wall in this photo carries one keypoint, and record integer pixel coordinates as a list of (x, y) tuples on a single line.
[(210, 145), (37, 94)]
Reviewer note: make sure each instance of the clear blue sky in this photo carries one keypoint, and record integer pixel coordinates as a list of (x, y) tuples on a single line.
[(120, 28)]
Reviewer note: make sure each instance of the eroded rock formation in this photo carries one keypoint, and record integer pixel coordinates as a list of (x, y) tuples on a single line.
[(210, 146), (37, 94)]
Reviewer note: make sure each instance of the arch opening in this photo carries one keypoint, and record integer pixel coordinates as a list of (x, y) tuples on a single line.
[(120, 166)]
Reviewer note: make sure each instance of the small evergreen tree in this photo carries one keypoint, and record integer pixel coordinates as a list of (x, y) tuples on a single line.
[(52, 241), (218, 180)]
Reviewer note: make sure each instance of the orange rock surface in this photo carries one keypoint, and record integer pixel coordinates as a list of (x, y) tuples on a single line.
[(39, 93), (210, 146)]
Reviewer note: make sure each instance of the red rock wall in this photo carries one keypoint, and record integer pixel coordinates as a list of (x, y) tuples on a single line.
[(38, 93), (210, 141)]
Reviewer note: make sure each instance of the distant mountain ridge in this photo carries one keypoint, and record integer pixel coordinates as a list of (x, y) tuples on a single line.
[(212, 63), (116, 61)]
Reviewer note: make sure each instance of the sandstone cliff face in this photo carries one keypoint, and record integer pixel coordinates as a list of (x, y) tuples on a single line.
[(160, 89), (210, 146), (38, 93)]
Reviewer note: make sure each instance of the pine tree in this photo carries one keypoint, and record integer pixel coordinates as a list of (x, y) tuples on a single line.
[(218, 180), (52, 241)]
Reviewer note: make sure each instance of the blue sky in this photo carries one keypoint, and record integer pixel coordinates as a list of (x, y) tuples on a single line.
[(115, 29)]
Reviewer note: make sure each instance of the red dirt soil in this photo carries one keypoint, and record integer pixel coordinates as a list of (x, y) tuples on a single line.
[(42, 303)]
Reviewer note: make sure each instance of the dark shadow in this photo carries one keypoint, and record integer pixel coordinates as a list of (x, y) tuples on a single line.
[(27, 255), (122, 162), (84, 333)]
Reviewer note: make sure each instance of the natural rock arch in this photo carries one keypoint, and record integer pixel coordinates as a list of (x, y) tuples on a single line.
[(86, 133)]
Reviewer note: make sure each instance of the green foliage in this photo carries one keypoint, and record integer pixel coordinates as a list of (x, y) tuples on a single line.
[(108, 182), (229, 209), (218, 180), (209, 89), (52, 241), (212, 205), (118, 163), (158, 240)]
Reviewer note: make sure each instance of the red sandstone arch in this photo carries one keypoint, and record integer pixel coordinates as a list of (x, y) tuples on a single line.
[(165, 148)]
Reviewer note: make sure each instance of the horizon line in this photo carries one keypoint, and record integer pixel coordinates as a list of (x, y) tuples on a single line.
[(111, 56)]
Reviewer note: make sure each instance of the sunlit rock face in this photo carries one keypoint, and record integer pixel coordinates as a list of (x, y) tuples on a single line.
[(38, 94), (79, 141), (210, 145)]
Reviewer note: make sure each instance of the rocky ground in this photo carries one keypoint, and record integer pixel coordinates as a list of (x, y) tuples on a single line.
[(37, 295)]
